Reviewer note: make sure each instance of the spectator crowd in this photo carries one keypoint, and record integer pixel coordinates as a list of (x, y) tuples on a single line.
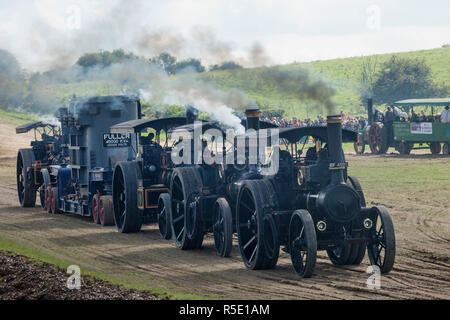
[(358, 123), (348, 122)]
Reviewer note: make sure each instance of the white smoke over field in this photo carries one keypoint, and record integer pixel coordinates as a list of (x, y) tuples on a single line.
[(48, 44), (50, 34)]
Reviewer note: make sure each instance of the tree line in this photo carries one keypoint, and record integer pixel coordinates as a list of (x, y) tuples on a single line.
[(395, 79), (166, 61)]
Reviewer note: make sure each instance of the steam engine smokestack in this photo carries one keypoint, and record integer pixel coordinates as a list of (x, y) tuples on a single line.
[(336, 155), (370, 110), (252, 116), (191, 114)]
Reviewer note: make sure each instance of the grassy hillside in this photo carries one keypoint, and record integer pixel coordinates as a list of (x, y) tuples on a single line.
[(342, 74)]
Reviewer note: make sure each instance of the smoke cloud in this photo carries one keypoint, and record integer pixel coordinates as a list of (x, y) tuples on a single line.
[(300, 84)]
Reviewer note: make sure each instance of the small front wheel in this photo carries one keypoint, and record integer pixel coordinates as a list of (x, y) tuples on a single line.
[(164, 214), (381, 249), (303, 243), (223, 228)]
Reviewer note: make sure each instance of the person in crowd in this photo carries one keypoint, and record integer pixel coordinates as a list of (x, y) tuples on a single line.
[(445, 115), (389, 123)]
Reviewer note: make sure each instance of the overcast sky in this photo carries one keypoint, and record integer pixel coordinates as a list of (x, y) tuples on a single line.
[(48, 33)]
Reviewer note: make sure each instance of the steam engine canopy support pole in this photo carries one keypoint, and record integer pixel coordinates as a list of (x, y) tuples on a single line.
[(370, 110), (336, 155)]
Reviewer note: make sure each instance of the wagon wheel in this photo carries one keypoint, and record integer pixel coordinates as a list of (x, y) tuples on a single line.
[(106, 212), (435, 147), (43, 188), (381, 248), (303, 243), (223, 227), (127, 217), (404, 148), (25, 183), (359, 145), (252, 200), (164, 213), (95, 208), (445, 148), (55, 201), (186, 182), (378, 138)]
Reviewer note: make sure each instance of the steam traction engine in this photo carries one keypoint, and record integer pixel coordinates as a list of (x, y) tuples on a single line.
[(311, 204), (200, 195), (140, 183), (83, 184), (308, 204), (46, 149)]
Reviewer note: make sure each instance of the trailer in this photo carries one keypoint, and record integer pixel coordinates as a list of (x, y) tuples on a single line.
[(428, 133)]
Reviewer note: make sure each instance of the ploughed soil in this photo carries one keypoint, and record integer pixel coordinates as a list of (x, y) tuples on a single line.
[(415, 189), (22, 278)]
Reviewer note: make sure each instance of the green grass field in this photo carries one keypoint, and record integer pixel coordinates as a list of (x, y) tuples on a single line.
[(343, 74), (15, 117)]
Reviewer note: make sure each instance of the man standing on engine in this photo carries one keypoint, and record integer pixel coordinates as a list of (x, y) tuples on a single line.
[(389, 123)]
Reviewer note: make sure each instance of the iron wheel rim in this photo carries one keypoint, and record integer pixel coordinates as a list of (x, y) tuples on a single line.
[(218, 229), (178, 210), (299, 251), (376, 249), (248, 227)]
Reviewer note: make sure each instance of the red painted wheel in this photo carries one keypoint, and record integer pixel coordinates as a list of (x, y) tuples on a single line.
[(95, 208), (359, 145), (378, 138), (106, 214)]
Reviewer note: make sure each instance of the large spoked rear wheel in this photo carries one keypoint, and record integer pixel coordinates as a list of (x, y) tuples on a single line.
[(164, 213), (127, 217), (25, 183), (186, 183), (258, 243), (381, 249), (223, 227), (378, 138), (303, 243)]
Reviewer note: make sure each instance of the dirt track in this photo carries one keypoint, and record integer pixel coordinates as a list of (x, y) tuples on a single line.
[(422, 268)]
